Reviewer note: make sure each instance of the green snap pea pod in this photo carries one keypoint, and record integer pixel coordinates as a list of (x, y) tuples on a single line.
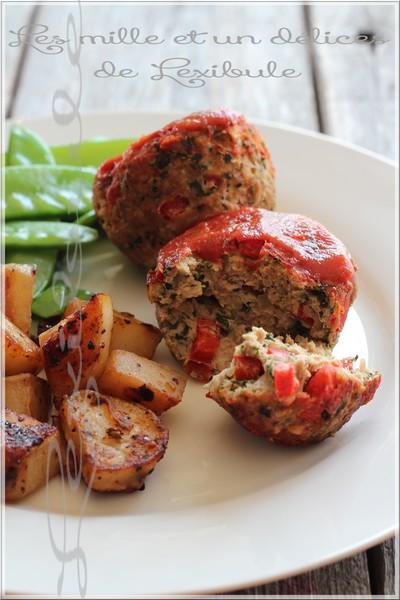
[(46, 234), (90, 152), (47, 190), (27, 148), (45, 260), (54, 299), (89, 218)]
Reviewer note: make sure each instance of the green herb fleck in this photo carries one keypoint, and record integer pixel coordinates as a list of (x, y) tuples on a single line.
[(182, 335), (264, 411), (322, 298), (223, 322), (162, 160), (298, 329), (197, 188)]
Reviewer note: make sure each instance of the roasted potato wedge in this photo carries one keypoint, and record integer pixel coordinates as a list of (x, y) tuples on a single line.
[(22, 355), (119, 442), (48, 333), (76, 349), (27, 394), (73, 305), (28, 465), (18, 293), (132, 377), (128, 332), (134, 336)]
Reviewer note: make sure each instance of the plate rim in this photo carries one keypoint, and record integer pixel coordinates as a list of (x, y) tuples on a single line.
[(333, 556), (98, 114), (226, 588)]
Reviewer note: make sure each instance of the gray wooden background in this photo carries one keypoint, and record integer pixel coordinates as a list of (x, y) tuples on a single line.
[(345, 90)]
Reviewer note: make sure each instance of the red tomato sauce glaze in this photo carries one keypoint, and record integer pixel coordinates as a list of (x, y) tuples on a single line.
[(303, 245)]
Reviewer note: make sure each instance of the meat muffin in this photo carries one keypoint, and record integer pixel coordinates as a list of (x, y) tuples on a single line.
[(169, 180), (280, 271), (289, 393)]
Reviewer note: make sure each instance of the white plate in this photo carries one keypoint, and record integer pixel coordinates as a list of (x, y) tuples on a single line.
[(224, 510)]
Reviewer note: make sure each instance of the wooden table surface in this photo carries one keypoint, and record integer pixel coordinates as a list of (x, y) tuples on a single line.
[(345, 90)]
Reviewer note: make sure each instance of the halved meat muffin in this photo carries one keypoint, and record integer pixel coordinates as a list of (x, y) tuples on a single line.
[(167, 181), (289, 393), (280, 271)]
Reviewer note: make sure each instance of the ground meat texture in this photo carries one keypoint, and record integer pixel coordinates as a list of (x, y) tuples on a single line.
[(191, 169), (244, 268), (289, 393)]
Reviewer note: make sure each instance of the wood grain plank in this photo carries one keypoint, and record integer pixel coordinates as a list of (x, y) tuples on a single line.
[(15, 16), (286, 100), (358, 79), (381, 564), (347, 577)]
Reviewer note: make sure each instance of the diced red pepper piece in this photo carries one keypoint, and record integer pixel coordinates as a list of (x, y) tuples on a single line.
[(370, 389), (206, 342), (285, 381), (201, 371), (326, 389), (279, 352), (173, 207), (307, 320), (324, 380), (155, 276), (247, 367), (250, 248)]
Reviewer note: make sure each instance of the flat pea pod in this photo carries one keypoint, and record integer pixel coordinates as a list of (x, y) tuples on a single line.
[(27, 148), (47, 190), (46, 234), (43, 258), (91, 152), (89, 218), (54, 299)]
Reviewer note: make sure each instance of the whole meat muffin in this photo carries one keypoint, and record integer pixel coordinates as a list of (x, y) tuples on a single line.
[(289, 393), (284, 272), (169, 180)]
